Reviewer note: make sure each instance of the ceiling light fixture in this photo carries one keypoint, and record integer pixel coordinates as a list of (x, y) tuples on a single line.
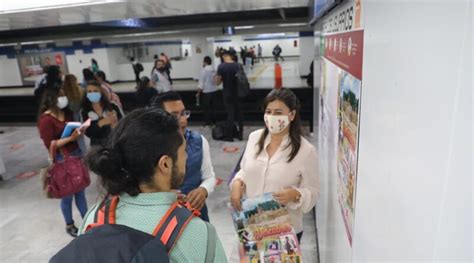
[(14, 6), (244, 27), (36, 42), (292, 24)]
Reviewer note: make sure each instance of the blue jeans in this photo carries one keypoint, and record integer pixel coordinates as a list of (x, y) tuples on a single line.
[(66, 202), (66, 206)]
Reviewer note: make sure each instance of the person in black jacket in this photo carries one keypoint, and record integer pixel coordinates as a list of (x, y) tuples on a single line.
[(53, 81), (103, 114), (145, 92)]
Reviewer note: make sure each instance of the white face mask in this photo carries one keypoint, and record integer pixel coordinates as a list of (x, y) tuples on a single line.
[(276, 124), (62, 102)]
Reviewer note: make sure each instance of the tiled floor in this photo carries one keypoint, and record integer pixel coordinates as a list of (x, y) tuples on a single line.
[(261, 76), (32, 227)]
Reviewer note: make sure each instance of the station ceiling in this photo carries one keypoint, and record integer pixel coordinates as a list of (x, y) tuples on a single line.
[(22, 14)]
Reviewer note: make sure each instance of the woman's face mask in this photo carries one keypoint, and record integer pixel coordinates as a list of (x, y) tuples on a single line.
[(276, 123), (94, 97), (62, 102)]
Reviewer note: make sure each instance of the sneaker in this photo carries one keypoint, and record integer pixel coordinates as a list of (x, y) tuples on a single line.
[(72, 230)]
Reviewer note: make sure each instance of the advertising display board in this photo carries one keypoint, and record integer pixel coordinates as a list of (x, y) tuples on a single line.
[(342, 43), (31, 63)]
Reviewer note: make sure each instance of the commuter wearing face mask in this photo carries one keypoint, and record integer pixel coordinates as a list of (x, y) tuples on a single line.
[(53, 116), (103, 114), (279, 160), (159, 78)]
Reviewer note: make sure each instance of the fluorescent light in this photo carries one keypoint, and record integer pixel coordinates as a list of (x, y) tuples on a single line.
[(272, 35), (8, 44), (15, 6), (292, 24), (145, 34), (36, 42), (244, 27)]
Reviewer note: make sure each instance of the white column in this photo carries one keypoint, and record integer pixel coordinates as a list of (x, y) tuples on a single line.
[(306, 46)]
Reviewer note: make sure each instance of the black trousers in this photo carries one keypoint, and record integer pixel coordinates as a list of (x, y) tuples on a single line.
[(233, 107), (299, 236), (137, 77), (167, 70), (209, 106)]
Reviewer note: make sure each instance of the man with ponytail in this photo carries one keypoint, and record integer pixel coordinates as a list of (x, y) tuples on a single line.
[(140, 166)]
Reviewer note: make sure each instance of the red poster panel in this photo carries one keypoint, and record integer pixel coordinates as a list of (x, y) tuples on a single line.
[(346, 51), (59, 59)]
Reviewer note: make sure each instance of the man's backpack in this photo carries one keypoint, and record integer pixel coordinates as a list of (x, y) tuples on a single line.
[(105, 241), (243, 85), (139, 67)]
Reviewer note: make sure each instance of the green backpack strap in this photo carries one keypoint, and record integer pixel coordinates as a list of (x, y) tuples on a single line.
[(211, 243)]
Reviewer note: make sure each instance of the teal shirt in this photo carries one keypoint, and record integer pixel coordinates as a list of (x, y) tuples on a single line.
[(144, 212)]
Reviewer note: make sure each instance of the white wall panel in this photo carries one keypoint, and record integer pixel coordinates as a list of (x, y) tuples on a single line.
[(414, 185), (306, 48), (9, 72)]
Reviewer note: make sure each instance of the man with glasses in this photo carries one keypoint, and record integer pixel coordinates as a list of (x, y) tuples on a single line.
[(200, 178)]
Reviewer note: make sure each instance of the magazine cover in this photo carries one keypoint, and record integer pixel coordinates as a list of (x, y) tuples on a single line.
[(265, 232)]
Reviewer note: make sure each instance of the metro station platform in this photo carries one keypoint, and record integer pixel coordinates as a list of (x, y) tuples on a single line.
[(17, 103)]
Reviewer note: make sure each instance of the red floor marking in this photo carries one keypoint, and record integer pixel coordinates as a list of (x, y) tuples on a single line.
[(16, 146), (26, 175), (231, 149), (219, 181)]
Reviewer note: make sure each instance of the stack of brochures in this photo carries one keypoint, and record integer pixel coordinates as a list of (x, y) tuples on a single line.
[(265, 232)]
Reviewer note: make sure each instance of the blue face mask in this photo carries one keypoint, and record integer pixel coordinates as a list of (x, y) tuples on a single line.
[(93, 97)]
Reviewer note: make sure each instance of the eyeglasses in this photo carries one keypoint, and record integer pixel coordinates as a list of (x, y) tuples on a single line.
[(186, 114)]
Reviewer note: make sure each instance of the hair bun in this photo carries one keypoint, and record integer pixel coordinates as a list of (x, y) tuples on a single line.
[(104, 162)]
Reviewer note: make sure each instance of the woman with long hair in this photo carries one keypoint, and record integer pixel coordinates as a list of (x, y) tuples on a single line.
[(53, 117), (75, 96), (279, 160), (73, 92), (103, 114)]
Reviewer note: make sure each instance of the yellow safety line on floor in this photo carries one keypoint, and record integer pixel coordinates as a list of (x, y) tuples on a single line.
[(259, 72)]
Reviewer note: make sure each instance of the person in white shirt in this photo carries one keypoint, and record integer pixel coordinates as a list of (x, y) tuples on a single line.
[(207, 87), (159, 78), (200, 178), (278, 159)]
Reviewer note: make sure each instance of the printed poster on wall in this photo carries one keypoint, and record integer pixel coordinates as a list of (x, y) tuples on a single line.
[(348, 137), (345, 51), (32, 63)]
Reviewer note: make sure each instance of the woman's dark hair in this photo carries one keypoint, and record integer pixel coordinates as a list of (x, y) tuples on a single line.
[(143, 84), (133, 150), (53, 76), (104, 99), (155, 65), (207, 60), (101, 75), (49, 101), (88, 74), (94, 61), (159, 101), (296, 132)]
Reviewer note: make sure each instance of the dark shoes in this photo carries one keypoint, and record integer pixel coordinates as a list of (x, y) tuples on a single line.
[(72, 230)]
